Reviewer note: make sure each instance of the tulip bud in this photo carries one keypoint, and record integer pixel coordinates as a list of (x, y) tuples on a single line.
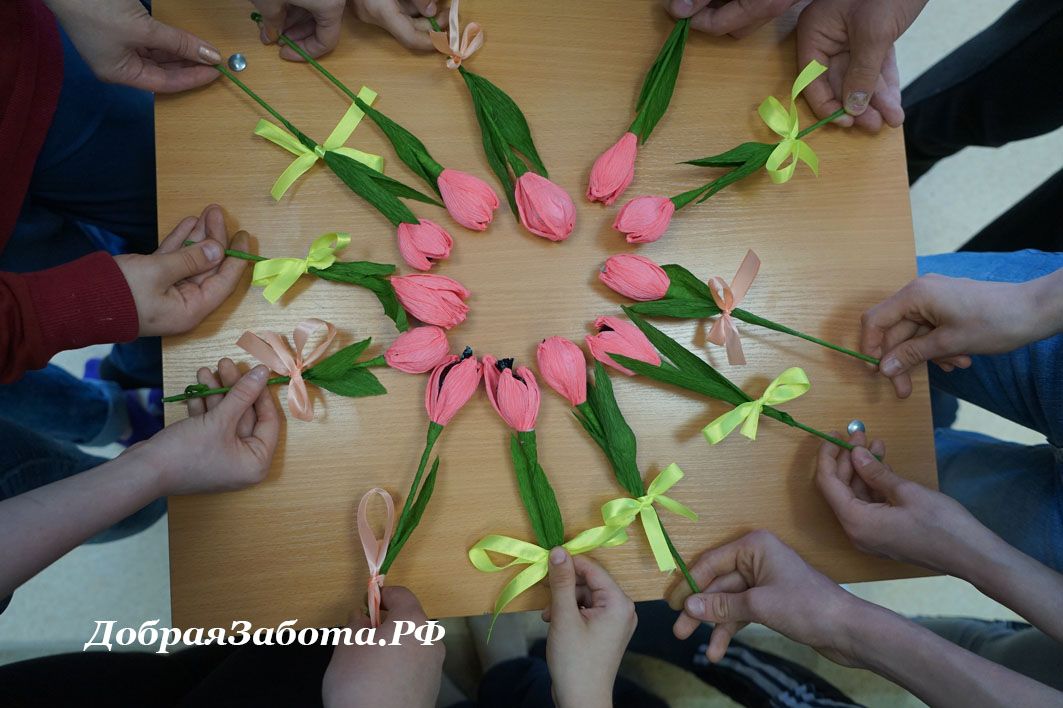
[(613, 170), (544, 208), (617, 336), (423, 243), (470, 200), (433, 299), (644, 219), (418, 350), (636, 277), (564, 368), (513, 393), (451, 385)]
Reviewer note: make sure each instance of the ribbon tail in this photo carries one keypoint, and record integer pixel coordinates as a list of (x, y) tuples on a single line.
[(806, 154), (778, 172), (373, 162), (749, 427), (294, 171), (299, 403), (735, 355), (279, 137), (718, 332), (677, 507), (651, 524)]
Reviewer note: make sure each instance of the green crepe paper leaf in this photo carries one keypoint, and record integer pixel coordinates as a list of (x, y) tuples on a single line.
[(659, 84), (524, 487), (676, 308), (409, 521), (684, 284), (746, 152), (363, 182), (339, 363), (620, 445), (536, 492), (398, 189), (407, 146), (507, 117), (732, 177), (374, 277), (353, 271), (356, 383), (495, 152)]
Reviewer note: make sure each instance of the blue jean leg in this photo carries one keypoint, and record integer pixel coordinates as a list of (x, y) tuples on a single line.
[(51, 402)]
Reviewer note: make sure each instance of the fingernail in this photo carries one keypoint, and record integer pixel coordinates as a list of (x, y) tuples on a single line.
[(856, 102), (259, 373), (209, 54), (212, 250), (891, 367), (695, 605), (431, 10), (862, 456), (557, 556)]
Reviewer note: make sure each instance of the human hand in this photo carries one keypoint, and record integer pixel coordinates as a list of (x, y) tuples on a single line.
[(312, 24), (406, 20), (945, 320), (854, 40), (591, 622), (226, 443), (123, 44), (175, 287), (405, 674), (738, 18), (758, 578)]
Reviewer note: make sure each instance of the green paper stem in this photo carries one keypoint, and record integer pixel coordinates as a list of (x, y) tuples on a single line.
[(402, 526), (691, 583), (752, 319), (258, 99)]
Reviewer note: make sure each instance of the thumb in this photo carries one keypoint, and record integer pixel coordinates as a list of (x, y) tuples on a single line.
[(189, 261), (242, 395), (868, 53), (183, 44), (720, 607), (876, 474), (562, 586), (913, 352), (427, 8)]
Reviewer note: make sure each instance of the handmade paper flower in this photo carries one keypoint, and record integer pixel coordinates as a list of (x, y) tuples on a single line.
[(514, 393), (451, 385), (613, 170), (564, 368), (544, 208), (423, 243), (418, 350), (644, 219), (469, 199), (633, 276), (617, 336), (433, 299)]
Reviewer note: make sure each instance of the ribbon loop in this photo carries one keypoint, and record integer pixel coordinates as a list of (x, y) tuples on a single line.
[(279, 274), (787, 386), (305, 157), (456, 45), (782, 162), (376, 549), (724, 331), (274, 351)]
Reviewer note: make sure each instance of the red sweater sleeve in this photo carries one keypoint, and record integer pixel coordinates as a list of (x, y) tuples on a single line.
[(73, 305)]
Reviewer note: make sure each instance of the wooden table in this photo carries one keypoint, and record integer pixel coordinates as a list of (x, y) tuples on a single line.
[(831, 247)]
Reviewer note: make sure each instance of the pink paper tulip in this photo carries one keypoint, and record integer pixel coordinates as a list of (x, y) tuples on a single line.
[(451, 385), (423, 243), (470, 200), (613, 170), (564, 368), (418, 350), (644, 219), (617, 336), (635, 277), (513, 393), (544, 208), (433, 299)]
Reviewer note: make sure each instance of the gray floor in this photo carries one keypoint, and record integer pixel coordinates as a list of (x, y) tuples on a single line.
[(128, 580)]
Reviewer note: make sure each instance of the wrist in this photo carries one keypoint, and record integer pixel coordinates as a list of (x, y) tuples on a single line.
[(150, 467), (1045, 305), (862, 622)]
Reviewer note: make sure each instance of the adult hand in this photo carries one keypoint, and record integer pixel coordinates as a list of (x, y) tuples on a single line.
[(591, 622), (406, 20), (405, 674), (177, 286), (738, 18), (227, 442), (123, 44), (312, 24), (945, 320), (758, 578), (854, 40), (887, 515)]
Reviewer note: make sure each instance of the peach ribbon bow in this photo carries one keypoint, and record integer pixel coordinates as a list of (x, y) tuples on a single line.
[(461, 45), (273, 350), (727, 298), (376, 549)]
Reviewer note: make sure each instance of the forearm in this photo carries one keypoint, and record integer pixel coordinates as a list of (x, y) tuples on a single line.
[(40, 526), (1046, 303), (935, 670)]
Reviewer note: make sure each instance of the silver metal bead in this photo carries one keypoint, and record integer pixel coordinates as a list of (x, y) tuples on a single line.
[(856, 426), (237, 62)]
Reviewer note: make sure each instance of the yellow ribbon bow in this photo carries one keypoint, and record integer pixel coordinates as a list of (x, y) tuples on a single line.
[(536, 558), (786, 387), (279, 274), (786, 124), (305, 157), (620, 513)]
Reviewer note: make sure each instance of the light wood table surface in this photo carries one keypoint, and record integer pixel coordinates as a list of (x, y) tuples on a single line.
[(831, 247)]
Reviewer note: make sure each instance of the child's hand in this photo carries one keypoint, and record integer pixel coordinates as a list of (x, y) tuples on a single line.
[(228, 441), (177, 286), (591, 621), (406, 674), (405, 20), (739, 18), (312, 24)]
